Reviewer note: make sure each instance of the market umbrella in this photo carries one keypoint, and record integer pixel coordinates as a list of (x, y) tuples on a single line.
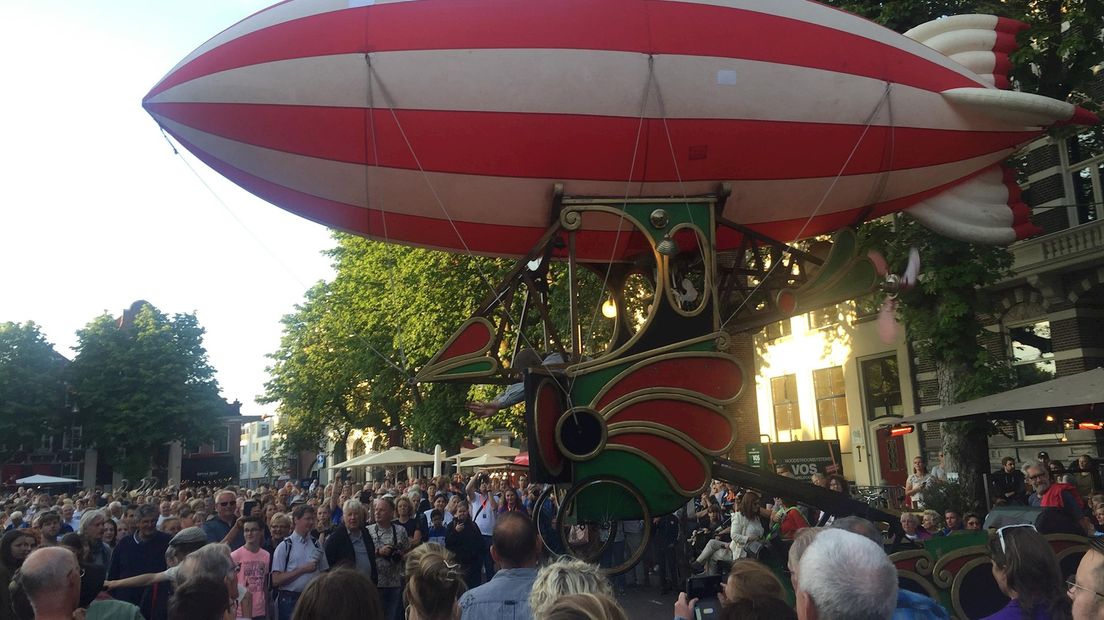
[(398, 456), (522, 459), (491, 449), (355, 461), (486, 461), (41, 479)]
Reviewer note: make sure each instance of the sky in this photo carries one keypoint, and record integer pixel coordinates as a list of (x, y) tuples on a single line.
[(96, 210)]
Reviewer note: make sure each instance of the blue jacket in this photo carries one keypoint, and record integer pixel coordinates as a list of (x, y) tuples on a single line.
[(504, 597)]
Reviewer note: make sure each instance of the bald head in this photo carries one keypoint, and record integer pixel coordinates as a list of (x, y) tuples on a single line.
[(514, 543), (48, 572)]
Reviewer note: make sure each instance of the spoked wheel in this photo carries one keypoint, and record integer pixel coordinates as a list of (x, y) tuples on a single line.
[(546, 518), (589, 515)]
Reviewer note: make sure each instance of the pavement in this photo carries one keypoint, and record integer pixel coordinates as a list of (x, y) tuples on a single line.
[(646, 603)]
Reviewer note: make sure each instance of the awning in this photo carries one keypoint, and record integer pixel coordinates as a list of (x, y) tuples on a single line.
[(41, 479), (1079, 396)]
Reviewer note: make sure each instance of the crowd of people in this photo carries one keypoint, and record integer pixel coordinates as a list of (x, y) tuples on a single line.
[(467, 547)]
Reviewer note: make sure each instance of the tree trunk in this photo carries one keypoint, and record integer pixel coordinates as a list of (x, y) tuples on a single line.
[(965, 444)]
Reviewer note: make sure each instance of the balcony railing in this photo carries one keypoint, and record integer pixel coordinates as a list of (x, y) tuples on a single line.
[(1058, 249)]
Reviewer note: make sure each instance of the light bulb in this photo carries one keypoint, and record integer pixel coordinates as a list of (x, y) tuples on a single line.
[(609, 309)]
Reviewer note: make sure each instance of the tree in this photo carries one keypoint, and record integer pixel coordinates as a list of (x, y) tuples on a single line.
[(33, 393), (144, 384), (349, 351)]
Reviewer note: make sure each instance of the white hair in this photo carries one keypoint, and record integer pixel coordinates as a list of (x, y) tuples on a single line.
[(563, 577), (848, 577), (212, 560)]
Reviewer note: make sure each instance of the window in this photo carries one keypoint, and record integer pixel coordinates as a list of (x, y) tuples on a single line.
[(262, 429), (881, 387), (222, 442), (778, 329), (831, 404), (1032, 356), (787, 416), (824, 317), (1032, 353)]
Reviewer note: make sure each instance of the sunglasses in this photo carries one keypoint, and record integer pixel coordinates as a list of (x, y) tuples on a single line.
[(1000, 533), (226, 503)]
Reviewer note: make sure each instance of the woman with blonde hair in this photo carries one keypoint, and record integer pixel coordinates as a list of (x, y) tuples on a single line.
[(564, 577), (585, 606), (434, 584)]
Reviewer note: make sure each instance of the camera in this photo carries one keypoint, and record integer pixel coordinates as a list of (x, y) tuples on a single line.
[(705, 589)]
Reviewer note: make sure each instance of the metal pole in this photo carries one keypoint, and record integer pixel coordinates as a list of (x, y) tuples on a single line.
[(571, 294)]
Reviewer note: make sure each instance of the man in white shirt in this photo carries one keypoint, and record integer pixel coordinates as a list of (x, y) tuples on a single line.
[(296, 562), (484, 508)]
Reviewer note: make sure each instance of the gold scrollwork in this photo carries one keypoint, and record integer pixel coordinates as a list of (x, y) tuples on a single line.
[(924, 560), (724, 341), (959, 578), (920, 580), (653, 359), (637, 397), (665, 434), (571, 219), (707, 269), (943, 577)]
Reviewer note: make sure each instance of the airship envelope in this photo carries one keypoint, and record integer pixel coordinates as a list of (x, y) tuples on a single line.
[(446, 123)]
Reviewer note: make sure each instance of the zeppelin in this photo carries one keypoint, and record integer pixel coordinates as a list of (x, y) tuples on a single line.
[(446, 123)]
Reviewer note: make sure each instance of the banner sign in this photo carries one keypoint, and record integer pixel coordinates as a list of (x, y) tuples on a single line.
[(805, 458)]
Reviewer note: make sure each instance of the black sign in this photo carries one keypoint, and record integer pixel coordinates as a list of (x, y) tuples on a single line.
[(805, 458), (208, 468)]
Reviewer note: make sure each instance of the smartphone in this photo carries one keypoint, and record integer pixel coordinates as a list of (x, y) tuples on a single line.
[(705, 589), (247, 508)]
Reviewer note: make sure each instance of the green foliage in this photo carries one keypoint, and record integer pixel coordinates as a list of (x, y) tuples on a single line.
[(349, 351), (943, 496), (143, 385), (1056, 55), (32, 387)]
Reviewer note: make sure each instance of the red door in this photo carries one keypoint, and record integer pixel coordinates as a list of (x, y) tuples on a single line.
[(891, 458)]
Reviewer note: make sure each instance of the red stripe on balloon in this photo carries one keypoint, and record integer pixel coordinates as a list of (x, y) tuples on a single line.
[(494, 239), (680, 462), (500, 240), (600, 148), (615, 25), (705, 426)]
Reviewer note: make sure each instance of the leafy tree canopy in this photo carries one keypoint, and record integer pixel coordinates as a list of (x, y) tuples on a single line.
[(350, 349), (144, 384), (32, 387)]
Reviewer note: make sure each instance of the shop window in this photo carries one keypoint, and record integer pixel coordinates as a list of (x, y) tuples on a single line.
[(787, 415), (778, 329), (831, 403), (1032, 353), (881, 387)]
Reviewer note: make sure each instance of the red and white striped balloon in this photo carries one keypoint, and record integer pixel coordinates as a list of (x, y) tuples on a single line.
[(445, 123)]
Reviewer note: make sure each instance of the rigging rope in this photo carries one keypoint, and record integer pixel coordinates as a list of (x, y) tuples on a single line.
[(827, 192)]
